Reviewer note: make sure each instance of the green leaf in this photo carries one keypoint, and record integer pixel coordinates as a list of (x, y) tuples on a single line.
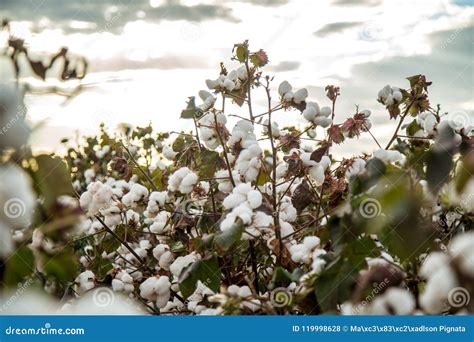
[(100, 267), (413, 127), (207, 163), (20, 265), (227, 239), (240, 52), (62, 266), (52, 179), (207, 271), (282, 277), (191, 111)]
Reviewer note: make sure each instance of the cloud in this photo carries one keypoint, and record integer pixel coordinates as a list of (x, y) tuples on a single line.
[(267, 2), (285, 66), (357, 2), (450, 68), (335, 28), (109, 15)]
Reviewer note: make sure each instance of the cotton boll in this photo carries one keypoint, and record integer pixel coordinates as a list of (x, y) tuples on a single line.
[(323, 121), (396, 300), (254, 198), (288, 97), (233, 200), (168, 152), (300, 96), (286, 229), (388, 156), (229, 85), (123, 282), (326, 111), (433, 299), (182, 262), (429, 124), (204, 94), (284, 88), (433, 263), (310, 113), (462, 248), (384, 92), (397, 96), (357, 167), (85, 281), (212, 84), (317, 173), (156, 289), (17, 203)]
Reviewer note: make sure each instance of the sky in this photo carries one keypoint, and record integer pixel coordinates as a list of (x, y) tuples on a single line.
[(148, 56)]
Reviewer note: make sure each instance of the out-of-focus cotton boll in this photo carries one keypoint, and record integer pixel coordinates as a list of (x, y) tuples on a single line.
[(17, 202)]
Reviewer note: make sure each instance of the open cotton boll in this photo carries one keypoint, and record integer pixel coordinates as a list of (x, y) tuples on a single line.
[(434, 297), (317, 173), (136, 194), (310, 113), (182, 262), (85, 281), (300, 96), (433, 262), (462, 248), (284, 88), (429, 124), (160, 224), (326, 111), (97, 198), (123, 282), (254, 198), (204, 94), (233, 200), (168, 152), (156, 289), (229, 85), (357, 167), (395, 300), (389, 156)]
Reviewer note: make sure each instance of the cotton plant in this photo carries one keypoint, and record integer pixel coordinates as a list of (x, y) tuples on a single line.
[(251, 216)]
